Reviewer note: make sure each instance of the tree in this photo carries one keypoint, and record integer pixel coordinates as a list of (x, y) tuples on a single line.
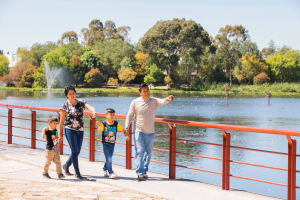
[(77, 69), (269, 51), (91, 60), (94, 78), (111, 54), (285, 68), (252, 66), (28, 78), (126, 62), (112, 81), (261, 78), (39, 79), (174, 38), (126, 74), (25, 55), (3, 65), (75, 48), (68, 37), (228, 40), (38, 51), (15, 74), (168, 81), (140, 63), (94, 33), (154, 74), (59, 57), (250, 47)]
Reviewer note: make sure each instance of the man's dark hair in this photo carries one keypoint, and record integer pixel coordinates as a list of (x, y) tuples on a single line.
[(142, 85), (109, 110), (68, 88), (52, 119)]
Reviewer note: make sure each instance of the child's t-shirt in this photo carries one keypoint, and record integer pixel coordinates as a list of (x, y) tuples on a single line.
[(52, 140), (109, 131)]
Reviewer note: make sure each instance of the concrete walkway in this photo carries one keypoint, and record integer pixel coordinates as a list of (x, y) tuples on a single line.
[(21, 178)]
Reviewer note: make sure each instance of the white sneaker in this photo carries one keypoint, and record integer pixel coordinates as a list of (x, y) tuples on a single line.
[(113, 175), (105, 173)]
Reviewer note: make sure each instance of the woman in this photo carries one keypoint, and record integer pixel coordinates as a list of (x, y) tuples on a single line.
[(72, 112)]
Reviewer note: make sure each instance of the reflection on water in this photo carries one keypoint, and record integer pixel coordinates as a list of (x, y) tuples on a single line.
[(282, 113)]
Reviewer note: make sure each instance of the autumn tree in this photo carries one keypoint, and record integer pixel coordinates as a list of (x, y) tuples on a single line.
[(28, 78), (112, 81), (126, 74), (14, 77), (140, 63), (3, 65), (228, 41), (174, 38), (94, 78)]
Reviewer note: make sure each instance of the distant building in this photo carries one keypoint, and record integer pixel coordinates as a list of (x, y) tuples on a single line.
[(13, 59)]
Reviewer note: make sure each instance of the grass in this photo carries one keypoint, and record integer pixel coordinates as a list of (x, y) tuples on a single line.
[(213, 89)]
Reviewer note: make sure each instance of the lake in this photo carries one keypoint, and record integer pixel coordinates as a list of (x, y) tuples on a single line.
[(254, 111)]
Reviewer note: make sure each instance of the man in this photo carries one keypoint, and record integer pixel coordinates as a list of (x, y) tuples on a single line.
[(144, 109)]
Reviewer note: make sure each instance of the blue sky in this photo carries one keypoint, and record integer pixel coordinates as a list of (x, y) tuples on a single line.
[(25, 22)]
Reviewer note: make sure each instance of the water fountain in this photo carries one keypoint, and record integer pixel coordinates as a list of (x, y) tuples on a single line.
[(51, 74)]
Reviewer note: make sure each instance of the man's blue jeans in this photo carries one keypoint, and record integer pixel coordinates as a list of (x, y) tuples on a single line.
[(75, 139), (143, 151), (108, 149)]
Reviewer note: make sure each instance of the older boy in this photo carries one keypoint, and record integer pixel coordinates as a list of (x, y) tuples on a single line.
[(144, 109)]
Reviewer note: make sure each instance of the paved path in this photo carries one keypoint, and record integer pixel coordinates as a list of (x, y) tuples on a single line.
[(21, 178)]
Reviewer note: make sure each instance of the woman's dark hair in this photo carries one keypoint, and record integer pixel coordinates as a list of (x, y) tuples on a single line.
[(68, 88), (142, 85)]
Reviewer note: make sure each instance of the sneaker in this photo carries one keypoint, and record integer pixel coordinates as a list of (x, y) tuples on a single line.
[(105, 173), (78, 176), (140, 177), (66, 169), (113, 175), (46, 176), (146, 175), (60, 176)]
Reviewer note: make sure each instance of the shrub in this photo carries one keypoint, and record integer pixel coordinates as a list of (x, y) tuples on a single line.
[(94, 78), (112, 81), (261, 78), (241, 79)]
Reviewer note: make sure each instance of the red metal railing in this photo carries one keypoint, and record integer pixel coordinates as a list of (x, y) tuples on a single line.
[(291, 177)]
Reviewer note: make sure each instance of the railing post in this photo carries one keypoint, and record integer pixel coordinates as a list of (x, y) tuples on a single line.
[(172, 152), (129, 149), (291, 193), (92, 138), (61, 131), (33, 129), (226, 161), (10, 115)]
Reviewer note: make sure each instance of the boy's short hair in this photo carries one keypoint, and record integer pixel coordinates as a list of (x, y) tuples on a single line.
[(142, 85), (51, 118), (68, 88), (109, 110)]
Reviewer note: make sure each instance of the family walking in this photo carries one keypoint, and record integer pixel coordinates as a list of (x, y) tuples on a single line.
[(71, 115)]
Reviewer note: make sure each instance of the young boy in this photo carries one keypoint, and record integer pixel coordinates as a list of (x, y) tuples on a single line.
[(52, 147), (109, 129)]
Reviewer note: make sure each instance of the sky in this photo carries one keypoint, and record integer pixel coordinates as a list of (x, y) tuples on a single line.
[(25, 22)]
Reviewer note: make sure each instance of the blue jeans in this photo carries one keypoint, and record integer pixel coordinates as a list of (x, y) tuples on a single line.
[(143, 151), (75, 139), (108, 149)]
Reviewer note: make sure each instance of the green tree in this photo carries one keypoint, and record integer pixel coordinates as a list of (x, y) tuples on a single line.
[(174, 38), (228, 40), (3, 65), (78, 69), (126, 74), (126, 62), (25, 55), (154, 74), (94, 78), (93, 33), (269, 51), (285, 68), (39, 79), (91, 60), (111, 54), (38, 51), (250, 47), (75, 48), (59, 57)]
